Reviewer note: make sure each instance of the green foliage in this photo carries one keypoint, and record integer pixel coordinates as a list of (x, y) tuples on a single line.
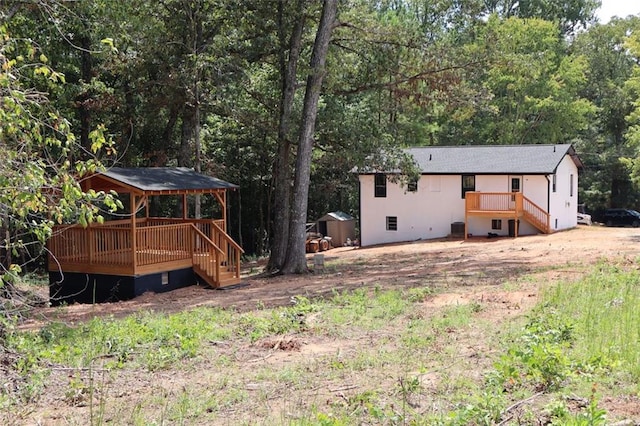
[(558, 351), (484, 408), (592, 415), (601, 308), (538, 357), (40, 166), (534, 85), (279, 321), (365, 309)]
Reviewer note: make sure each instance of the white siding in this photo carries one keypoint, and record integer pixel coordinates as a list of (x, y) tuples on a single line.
[(564, 202), (424, 214), (429, 212)]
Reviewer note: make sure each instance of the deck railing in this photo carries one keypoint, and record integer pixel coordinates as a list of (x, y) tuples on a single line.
[(163, 243), (230, 249), (102, 245), (507, 203), (70, 243), (494, 201), (109, 248), (204, 225), (207, 257), (536, 215)]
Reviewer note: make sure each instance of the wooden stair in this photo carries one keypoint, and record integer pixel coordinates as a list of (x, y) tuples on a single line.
[(535, 215), (216, 264), (509, 205), (204, 265)]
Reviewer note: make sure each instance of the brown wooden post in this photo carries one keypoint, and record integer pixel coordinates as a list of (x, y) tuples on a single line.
[(92, 243), (224, 209), (134, 249), (466, 215), (185, 207), (548, 223)]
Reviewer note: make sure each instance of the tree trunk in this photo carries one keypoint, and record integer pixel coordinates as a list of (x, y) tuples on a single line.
[(197, 46), (84, 99), (296, 261), (282, 167)]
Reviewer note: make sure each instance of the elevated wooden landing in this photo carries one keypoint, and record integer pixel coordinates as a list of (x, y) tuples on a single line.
[(510, 205), (154, 245)]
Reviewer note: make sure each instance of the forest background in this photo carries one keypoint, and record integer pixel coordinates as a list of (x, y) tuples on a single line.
[(221, 86)]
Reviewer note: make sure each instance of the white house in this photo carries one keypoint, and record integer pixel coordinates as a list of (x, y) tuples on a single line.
[(475, 190)]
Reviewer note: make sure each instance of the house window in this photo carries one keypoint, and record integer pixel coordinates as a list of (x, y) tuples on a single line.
[(496, 223), (553, 183), (380, 185), (392, 223), (571, 185), (412, 185), (468, 184)]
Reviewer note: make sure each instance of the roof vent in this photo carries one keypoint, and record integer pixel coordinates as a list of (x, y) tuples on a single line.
[(554, 148), (429, 157)]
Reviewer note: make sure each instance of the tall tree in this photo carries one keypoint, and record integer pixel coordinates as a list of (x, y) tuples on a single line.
[(606, 180), (282, 170), (296, 261), (569, 15), (632, 86), (534, 87)]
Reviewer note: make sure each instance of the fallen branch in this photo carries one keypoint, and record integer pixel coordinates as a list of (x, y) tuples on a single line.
[(516, 405), (343, 388)]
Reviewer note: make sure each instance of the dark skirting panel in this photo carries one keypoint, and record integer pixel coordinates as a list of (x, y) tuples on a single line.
[(74, 287)]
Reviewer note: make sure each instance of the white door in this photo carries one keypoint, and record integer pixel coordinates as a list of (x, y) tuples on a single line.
[(515, 185)]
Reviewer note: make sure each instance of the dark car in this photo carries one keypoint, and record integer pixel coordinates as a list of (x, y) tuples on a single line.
[(622, 217)]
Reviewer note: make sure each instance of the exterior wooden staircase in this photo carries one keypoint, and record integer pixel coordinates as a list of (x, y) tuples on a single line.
[(535, 215), (507, 205), (216, 260)]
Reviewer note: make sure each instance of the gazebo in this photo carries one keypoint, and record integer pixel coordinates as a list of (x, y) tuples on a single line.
[(123, 258)]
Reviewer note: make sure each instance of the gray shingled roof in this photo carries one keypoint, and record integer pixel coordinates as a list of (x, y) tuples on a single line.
[(166, 179), (492, 159), (337, 215)]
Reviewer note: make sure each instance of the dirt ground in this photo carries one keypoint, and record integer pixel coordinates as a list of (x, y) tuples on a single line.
[(458, 271)]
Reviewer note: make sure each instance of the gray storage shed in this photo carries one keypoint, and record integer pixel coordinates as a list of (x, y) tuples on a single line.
[(338, 225)]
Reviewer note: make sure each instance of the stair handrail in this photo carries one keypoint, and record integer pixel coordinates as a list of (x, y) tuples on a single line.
[(218, 252), (228, 238), (238, 251), (207, 239), (539, 209)]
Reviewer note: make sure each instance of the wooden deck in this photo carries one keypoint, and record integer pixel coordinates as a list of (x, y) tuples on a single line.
[(511, 205), (153, 245)]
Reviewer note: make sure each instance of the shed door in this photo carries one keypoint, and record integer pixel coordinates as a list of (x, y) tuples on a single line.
[(322, 227)]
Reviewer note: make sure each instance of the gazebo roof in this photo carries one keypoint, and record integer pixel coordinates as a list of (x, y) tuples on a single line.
[(155, 181)]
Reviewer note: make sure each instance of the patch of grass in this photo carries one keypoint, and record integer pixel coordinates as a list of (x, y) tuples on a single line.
[(603, 309), (452, 318), (279, 321), (397, 364), (364, 308), (419, 294)]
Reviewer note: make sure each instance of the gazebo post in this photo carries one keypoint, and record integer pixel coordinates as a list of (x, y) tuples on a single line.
[(224, 209), (185, 207), (134, 248)]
